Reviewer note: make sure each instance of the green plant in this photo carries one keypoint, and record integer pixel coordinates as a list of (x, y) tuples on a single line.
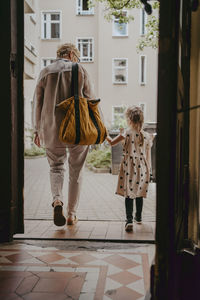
[(119, 122), (34, 151), (114, 8), (99, 158)]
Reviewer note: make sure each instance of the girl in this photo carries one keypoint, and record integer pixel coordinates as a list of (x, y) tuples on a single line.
[(134, 175)]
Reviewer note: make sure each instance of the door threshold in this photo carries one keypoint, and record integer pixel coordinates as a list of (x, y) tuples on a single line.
[(89, 231)]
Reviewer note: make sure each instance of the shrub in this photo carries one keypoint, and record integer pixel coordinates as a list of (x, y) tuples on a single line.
[(100, 158), (34, 151)]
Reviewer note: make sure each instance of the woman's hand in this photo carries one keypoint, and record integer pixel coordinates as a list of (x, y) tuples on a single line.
[(37, 140), (109, 139)]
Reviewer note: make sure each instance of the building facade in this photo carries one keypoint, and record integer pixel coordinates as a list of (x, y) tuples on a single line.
[(31, 67), (120, 75)]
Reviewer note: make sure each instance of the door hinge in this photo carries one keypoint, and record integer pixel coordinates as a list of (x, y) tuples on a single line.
[(190, 248)]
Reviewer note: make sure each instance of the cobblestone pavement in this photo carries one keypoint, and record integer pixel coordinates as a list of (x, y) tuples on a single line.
[(97, 202)]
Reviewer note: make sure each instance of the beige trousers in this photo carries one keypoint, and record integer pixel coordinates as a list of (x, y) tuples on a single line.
[(57, 158)]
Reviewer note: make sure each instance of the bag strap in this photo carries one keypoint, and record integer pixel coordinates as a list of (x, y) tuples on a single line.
[(74, 92), (74, 84)]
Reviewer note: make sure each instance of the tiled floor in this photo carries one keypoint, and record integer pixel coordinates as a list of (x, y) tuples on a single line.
[(32, 272), (88, 230)]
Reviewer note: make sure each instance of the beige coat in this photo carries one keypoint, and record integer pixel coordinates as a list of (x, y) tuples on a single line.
[(54, 86)]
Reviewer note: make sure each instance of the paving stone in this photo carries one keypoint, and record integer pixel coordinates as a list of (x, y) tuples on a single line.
[(98, 200)]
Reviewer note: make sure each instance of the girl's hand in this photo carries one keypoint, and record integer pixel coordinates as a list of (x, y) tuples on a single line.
[(121, 130)]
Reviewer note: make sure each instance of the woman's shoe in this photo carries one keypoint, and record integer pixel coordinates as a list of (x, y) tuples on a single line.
[(58, 217), (72, 220)]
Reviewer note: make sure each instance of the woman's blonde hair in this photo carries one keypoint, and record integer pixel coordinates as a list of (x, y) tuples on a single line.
[(135, 119), (66, 48)]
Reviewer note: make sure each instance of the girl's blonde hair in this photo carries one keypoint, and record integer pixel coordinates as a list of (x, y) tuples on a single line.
[(65, 49), (135, 119)]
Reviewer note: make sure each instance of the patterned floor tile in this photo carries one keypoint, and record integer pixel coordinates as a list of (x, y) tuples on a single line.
[(111, 285), (120, 262), (63, 269), (18, 257), (32, 260), (138, 270), (137, 286), (113, 270), (38, 269), (135, 258), (125, 277), (118, 274), (97, 262), (64, 262), (50, 258), (124, 293), (83, 258)]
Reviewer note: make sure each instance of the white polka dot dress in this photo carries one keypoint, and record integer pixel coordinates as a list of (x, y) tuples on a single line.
[(134, 174)]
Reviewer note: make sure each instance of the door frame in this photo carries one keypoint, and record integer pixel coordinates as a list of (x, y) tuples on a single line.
[(12, 127)]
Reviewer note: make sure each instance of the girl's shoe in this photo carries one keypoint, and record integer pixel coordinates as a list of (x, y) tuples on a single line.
[(138, 220), (129, 226)]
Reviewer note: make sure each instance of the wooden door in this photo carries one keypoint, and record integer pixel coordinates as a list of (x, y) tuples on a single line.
[(172, 148), (12, 149)]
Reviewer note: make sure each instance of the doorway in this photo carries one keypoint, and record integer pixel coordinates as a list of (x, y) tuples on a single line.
[(98, 203)]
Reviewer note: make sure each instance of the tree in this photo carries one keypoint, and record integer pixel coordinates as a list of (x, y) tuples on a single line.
[(114, 8)]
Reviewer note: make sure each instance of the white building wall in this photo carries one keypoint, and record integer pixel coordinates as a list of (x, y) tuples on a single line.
[(125, 47), (30, 64)]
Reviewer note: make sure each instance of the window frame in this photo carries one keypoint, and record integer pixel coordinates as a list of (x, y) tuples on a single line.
[(113, 113), (144, 82), (81, 12), (144, 110), (113, 27), (114, 67), (92, 43), (47, 58), (49, 12), (143, 14)]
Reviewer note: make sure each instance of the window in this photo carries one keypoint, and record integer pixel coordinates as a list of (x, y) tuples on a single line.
[(82, 7), (120, 29), (46, 61), (143, 22), (86, 48), (118, 119), (51, 25), (143, 107), (120, 70), (142, 70)]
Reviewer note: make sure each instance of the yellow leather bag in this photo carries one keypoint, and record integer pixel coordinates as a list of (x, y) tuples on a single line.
[(82, 123)]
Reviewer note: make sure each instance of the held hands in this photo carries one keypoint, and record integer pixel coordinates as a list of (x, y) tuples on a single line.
[(121, 130), (37, 140), (109, 139)]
